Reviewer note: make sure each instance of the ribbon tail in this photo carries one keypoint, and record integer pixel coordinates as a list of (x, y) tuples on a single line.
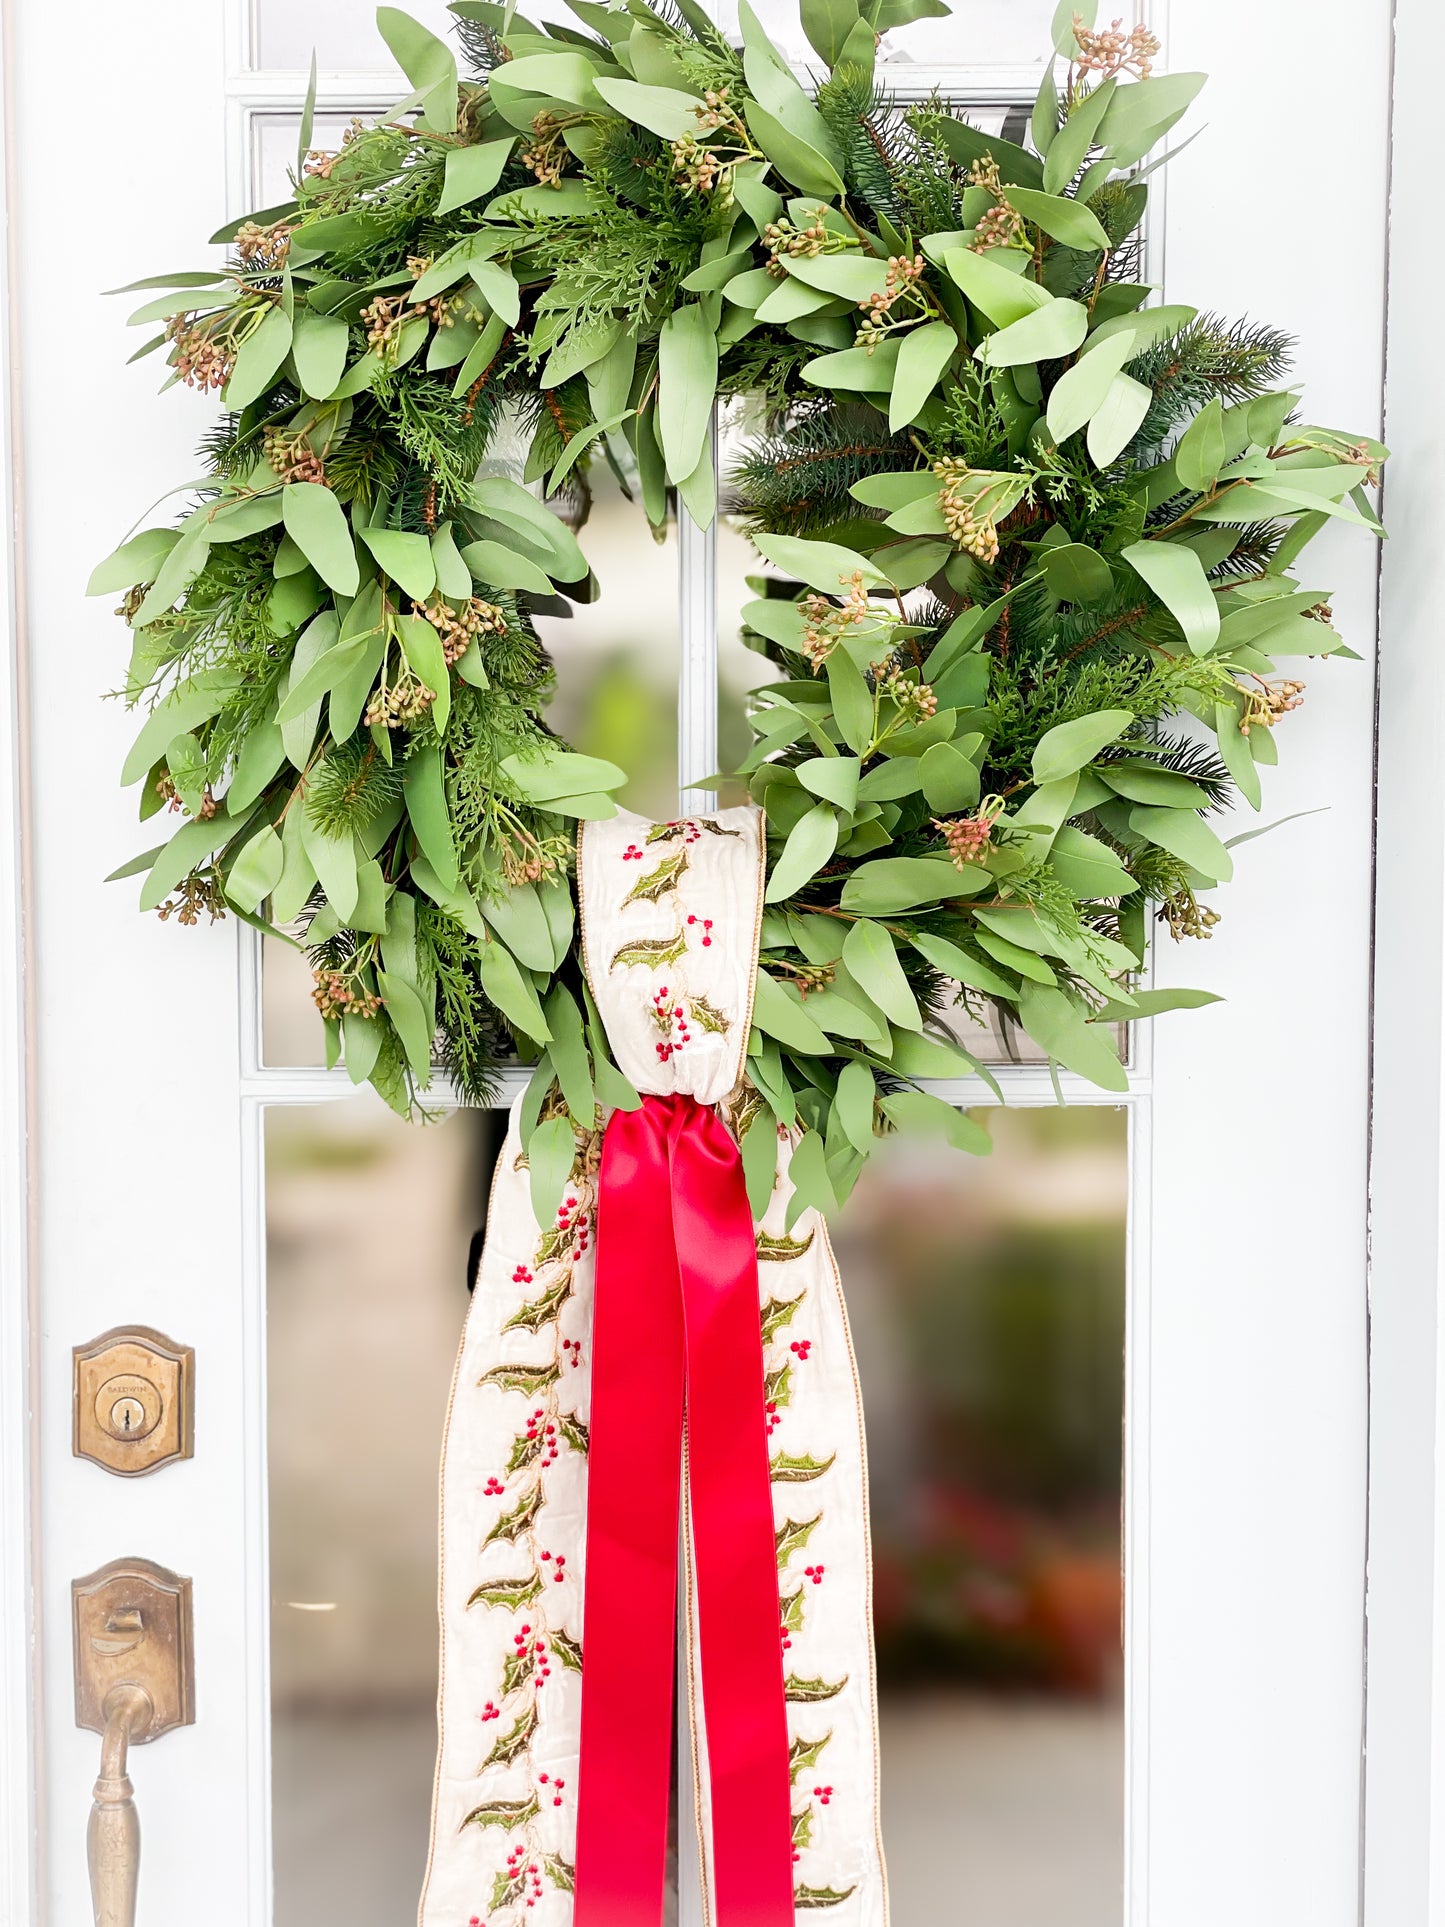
[(735, 1553), (633, 1488)]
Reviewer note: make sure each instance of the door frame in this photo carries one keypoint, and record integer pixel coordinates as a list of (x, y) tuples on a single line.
[(1404, 1813), (19, 1682)]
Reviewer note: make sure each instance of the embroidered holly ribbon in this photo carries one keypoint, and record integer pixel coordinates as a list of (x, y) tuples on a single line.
[(676, 1326)]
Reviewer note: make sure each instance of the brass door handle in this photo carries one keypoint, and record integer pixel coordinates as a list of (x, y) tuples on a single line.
[(112, 1837), (133, 1683)]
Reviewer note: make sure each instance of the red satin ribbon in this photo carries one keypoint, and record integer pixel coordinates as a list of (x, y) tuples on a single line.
[(676, 1320)]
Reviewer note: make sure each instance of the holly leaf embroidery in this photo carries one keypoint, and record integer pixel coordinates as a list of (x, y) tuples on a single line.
[(791, 1536), (513, 1744), (573, 1430), (779, 1250), (778, 1385), (519, 1669), (788, 1470), (508, 1887), (709, 1016), (568, 1651), (503, 1813), (778, 1312), (791, 1604), (553, 1243), (654, 952), (656, 884), (821, 1896), (513, 1524), (522, 1378), (560, 1872), (715, 829), (803, 1754), (808, 1692), (541, 1311), (743, 1104), (526, 1446), (510, 1594), (803, 1828)]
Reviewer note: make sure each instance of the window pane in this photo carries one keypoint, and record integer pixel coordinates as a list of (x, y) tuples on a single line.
[(987, 1302), (994, 33), (345, 38), (274, 139), (368, 1223), (991, 33)]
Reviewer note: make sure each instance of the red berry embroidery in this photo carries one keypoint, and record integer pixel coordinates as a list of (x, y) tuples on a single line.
[(815, 1573), (493, 1487), (706, 929), (802, 1346)]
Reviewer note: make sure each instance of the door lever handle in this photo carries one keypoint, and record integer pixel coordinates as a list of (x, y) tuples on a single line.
[(133, 1683), (112, 1836)]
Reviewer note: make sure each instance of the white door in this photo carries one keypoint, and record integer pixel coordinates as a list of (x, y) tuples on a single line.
[(1214, 1772)]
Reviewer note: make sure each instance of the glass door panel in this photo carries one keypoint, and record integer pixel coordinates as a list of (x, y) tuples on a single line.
[(987, 1302), (987, 1299), (368, 1226)]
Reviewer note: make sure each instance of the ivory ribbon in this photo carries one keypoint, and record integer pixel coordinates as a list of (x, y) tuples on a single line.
[(654, 1304)]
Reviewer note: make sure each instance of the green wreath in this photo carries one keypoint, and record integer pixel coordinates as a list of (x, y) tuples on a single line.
[(1023, 528)]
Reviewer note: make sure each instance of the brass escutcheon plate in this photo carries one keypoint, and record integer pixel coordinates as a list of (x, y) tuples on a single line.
[(132, 1627), (134, 1400)]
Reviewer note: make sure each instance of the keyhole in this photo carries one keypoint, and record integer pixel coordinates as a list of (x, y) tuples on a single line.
[(127, 1416)]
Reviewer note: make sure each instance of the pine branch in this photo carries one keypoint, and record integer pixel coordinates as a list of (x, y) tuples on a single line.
[(1206, 358), (797, 481)]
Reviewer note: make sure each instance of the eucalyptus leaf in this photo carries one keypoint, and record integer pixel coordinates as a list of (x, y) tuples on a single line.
[(1117, 419), (1200, 451), (1069, 746), (869, 952), (317, 524), (1044, 335), (406, 558), (784, 1017), (811, 841), (472, 172), (1176, 575), (687, 364), (551, 1152), (924, 354), (1185, 835)]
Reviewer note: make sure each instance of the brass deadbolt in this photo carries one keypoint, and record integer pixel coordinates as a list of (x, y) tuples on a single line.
[(133, 1400), (128, 1407)]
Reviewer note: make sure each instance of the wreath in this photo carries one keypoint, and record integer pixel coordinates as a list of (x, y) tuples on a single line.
[(1031, 547)]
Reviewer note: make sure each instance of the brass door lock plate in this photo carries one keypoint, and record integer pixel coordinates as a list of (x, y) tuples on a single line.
[(134, 1402), (132, 1630)]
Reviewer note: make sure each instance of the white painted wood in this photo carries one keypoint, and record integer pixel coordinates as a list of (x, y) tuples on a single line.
[(1257, 1342), (1245, 1438), (697, 655), (18, 1518), (1405, 1736), (135, 1061)]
